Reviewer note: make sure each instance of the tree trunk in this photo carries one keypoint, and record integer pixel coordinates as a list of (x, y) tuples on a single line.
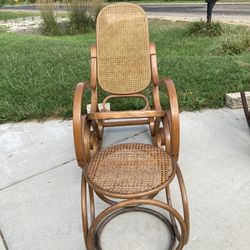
[(210, 5)]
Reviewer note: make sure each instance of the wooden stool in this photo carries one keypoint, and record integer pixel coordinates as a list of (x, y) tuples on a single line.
[(136, 173)]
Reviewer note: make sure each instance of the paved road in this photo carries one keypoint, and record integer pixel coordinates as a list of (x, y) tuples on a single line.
[(229, 13), (219, 9), (165, 8)]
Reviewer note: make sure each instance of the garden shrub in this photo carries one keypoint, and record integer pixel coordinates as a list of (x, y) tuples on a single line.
[(232, 45), (97, 6), (80, 19), (49, 16), (202, 28), (2, 2), (83, 14)]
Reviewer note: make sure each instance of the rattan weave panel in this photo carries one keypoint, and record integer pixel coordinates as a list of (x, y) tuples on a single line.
[(123, 56), (129, 168)]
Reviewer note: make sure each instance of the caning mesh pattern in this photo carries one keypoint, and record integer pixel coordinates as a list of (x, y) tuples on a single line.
[(129, 168), (123, 57)]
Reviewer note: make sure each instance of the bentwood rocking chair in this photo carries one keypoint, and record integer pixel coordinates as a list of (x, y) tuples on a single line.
[(123, 64)]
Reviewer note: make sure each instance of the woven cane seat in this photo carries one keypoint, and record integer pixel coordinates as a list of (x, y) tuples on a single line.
[(129, 170)]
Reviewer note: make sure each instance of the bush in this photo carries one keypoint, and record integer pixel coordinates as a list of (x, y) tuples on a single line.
[(96, 8), (80, 19), (83, 14), (202, 28), (232, 45), (47, 10), (2, 2), (10, 2)]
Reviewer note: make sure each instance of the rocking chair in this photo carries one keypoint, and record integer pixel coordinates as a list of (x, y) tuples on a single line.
[(123, 64)]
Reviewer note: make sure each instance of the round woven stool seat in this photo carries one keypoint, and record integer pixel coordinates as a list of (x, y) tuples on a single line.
[(130, 170)]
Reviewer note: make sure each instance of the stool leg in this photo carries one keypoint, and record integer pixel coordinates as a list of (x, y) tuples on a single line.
[(92, 203), (84, 209), (184, 205)]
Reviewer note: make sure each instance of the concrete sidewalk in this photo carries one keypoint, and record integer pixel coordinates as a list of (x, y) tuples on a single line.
[(40, 186)]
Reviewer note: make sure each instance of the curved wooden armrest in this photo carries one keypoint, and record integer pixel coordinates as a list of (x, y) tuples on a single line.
[(78, 128), (173, 117)]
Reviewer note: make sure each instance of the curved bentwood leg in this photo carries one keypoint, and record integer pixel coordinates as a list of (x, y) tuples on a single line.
[(91, 244), (184, 205), (84, 208), (91, 203)]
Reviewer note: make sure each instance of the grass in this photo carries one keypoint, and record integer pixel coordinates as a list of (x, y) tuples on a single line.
[(5, 15), (38, 73)]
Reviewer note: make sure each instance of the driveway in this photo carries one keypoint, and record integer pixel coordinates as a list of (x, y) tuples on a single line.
[(40, 186)]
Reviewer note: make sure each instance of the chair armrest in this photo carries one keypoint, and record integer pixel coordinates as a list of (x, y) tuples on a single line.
[(173, 117), (80, 126)]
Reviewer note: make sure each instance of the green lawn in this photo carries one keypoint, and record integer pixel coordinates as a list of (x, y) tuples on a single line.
[(5, 15), (38, 73)]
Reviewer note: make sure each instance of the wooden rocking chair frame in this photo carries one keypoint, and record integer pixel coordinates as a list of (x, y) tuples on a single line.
[(88, 133)]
